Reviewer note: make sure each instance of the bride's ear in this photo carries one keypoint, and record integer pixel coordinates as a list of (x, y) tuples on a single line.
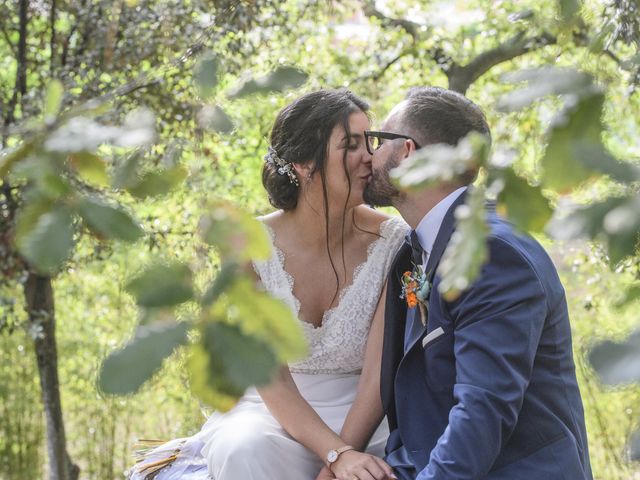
[(303, 171)]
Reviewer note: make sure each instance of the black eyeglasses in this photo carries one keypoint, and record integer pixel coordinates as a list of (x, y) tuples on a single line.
[(374, 139)]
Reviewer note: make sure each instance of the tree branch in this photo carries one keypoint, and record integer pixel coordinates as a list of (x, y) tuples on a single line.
[(52, 41), (461, 77), (408, 26), (376, 75), (20, 88), (7, 39)]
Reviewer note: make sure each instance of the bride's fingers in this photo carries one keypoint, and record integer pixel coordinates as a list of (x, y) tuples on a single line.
[(388, 471)]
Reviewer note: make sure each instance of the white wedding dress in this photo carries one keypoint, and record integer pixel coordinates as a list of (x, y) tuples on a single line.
[(248, 443)]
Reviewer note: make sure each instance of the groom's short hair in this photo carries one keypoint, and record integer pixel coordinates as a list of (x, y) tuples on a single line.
[(437, 115)]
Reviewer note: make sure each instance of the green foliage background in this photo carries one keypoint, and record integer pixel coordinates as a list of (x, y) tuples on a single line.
[(95, 314)]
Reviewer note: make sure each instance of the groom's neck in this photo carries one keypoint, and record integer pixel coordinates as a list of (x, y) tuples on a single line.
[(413, 206)]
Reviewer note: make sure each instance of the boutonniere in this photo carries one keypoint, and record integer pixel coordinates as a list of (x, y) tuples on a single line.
[(415, 290)]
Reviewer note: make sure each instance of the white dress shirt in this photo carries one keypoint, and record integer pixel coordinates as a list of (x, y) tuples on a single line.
[(428, 228)]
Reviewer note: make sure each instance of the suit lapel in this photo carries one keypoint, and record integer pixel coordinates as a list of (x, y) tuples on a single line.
[(394, 322)]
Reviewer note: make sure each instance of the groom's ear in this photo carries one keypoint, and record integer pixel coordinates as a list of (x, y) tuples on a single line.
[(409, 147)]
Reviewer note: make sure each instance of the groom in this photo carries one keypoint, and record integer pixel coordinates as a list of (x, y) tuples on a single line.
[(487, 389)]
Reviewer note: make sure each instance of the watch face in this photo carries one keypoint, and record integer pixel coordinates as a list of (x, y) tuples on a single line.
[(332, 456)]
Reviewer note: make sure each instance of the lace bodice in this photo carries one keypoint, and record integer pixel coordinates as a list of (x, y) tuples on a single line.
[(338, 344)]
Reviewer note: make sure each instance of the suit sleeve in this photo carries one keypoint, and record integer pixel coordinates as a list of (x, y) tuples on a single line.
[(498, 324)]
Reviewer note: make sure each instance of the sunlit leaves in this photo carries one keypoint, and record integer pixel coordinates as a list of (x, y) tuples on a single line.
[(569, 10), (126, 369), (236, 234), (617, 362), (162, 285), (45, 237), (542, 82), (522, 203), (467, 249), (441, 162), (281, 79), (629, 295), (206, 76), (109, 221), (53, 100)]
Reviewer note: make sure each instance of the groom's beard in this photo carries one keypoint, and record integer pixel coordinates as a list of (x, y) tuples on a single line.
[(380, 192)]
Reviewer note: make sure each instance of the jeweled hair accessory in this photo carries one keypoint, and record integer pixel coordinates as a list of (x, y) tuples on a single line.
[(284, 167)]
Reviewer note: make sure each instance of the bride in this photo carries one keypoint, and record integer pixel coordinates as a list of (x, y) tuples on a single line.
[(322, 416)]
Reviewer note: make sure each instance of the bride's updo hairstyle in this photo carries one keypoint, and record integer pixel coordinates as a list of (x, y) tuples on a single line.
[(301, 135)]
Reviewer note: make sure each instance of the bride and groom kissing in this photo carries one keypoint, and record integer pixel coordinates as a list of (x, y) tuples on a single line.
[(395, 385)]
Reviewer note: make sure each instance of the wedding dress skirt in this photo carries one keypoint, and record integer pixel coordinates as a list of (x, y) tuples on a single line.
[(248, 443)]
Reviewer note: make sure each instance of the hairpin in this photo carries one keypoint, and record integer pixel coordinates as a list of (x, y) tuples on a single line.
[(283, 167)]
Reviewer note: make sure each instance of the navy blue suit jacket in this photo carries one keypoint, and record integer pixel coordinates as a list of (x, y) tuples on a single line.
[(495, 396)]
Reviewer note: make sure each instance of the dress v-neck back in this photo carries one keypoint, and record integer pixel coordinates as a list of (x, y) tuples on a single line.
[(337, 344)]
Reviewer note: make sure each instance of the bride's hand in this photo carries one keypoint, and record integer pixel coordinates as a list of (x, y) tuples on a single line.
[(325, 474), (353, 465)]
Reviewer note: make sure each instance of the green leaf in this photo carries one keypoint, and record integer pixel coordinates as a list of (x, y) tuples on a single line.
[(596, 158), (224, 278), (523, 204), (206, 76), (542, 82), (237, 235), (207, 380), (158, 182), (467, 249), (213, 118), (617, 363), (613, 221), (44, 236), (281, 79), (629, 295), (90, 167), (440, 162), (126, 172), (125, 370), (577, 129), (53, 100), (9, 158), (245, 360), (261, 315), (162, 285), (109, 221), (569, 10)]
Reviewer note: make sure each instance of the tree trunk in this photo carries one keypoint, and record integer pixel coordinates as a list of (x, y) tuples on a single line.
[(39, 299)]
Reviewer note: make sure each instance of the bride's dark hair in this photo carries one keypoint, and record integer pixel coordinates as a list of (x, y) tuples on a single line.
[(301, 134)]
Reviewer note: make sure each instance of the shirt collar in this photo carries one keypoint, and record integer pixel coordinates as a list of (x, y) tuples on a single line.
[(429, 226)]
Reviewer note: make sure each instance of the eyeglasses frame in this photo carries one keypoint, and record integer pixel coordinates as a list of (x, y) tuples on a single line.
[(386, 136)]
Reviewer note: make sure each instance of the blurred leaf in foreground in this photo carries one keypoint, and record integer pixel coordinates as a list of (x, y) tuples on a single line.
[(279, 80), (157, 182), (467, 249), (522, 203), (542, 82), (45, 236), (214, 118), (125, 370), (206, 76), (109, 221), (236, 234), (617, 363), (440, 162), (162, 285)]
